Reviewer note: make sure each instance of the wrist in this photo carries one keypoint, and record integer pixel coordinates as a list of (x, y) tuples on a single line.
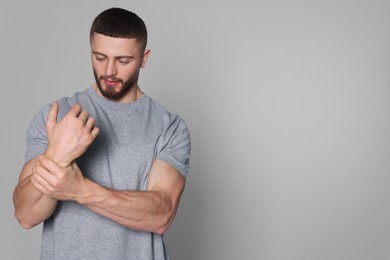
[(57, 159)]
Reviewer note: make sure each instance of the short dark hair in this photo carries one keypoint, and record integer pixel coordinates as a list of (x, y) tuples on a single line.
[(120, 23)]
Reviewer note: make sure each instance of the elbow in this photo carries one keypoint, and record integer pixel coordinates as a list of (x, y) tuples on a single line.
[(165, 223), (23, 221), (166, 218), (26, 225), (161, 230)]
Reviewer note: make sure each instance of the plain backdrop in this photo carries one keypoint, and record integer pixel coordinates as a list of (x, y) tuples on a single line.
[(288, 105)]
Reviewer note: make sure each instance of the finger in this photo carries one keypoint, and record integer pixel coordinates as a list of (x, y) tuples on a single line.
[(90, 123), (40, 183), (43, 180), (75, 110), (40, 158), (50, 167), (44, 174), (83, 116), (52, 116), (37, 184), (95, 132), (38, 162)]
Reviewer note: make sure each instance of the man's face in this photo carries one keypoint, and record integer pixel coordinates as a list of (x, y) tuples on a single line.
[(116, 64)]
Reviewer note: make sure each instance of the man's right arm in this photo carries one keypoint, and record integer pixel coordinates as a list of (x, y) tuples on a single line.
[(31, 206), (67, 140)]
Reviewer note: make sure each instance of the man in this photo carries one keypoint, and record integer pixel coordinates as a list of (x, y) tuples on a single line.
[(106, 167)]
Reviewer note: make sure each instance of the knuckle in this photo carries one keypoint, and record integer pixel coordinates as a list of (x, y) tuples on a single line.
[(37, 168), (50, 189), (43, 160), (84, 133), (78, 122), (90, 138), (56, 184), (87, 139)]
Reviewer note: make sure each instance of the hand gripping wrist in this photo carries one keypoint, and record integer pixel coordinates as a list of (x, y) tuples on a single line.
[(61, 161)]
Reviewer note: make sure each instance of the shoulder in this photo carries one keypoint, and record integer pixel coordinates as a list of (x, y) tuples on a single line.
[(173, 128), (65, 103), (165, 117), (174, 144)]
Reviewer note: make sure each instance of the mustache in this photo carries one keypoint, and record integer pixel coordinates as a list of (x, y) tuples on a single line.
[(110, 78)]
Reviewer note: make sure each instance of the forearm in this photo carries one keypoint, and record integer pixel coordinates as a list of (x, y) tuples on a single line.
[(148, 211), (31, 206)]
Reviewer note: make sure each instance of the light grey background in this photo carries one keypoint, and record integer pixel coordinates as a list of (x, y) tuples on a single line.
[(288, 103)]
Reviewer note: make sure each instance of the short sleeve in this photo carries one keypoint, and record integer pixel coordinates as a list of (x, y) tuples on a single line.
[(176, 147), (36, 136)]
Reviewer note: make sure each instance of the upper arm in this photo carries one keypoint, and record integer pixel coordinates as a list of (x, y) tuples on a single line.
[(174, 146), (169, 170), (166, 179)]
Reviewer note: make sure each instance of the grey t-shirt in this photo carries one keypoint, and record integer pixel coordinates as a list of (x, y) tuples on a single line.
[(131, 137)]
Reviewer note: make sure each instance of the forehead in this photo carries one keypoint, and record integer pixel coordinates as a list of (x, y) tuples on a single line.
[(112, 46)]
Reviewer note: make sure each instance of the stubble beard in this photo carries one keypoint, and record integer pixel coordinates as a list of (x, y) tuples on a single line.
[(112, 94)]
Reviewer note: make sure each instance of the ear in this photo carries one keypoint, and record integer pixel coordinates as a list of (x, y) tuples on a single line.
[(145, 57)]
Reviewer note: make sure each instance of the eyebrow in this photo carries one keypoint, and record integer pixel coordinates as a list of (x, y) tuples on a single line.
[(115, 57)]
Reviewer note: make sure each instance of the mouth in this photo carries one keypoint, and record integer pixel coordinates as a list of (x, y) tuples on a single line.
[(111, 83)]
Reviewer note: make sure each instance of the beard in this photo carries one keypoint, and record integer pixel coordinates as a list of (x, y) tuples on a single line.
[(110, 93)]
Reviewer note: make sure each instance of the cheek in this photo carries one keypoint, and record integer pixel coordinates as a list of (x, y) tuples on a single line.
[(129, 72), (98, 67)]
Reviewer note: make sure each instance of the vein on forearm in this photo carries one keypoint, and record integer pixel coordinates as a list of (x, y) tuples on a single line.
[(141, 210)]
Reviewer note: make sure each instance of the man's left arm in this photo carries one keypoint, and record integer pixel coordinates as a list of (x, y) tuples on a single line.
[(152, 210)]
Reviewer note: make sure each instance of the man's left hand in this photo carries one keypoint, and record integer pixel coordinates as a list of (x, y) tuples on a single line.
[(55, 181)]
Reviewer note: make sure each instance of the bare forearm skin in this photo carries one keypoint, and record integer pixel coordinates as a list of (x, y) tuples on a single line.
[(150, 211), (31, 206)]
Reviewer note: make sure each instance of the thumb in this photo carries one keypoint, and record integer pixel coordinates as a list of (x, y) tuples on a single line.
[(52, 116)]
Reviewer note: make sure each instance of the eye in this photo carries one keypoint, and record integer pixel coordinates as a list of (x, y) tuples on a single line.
[(124, 61), (100, 57)]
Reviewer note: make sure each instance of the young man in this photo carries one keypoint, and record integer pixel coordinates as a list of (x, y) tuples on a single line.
[(106, 167)]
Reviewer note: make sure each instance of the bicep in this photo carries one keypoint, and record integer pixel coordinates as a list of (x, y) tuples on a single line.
[(166, 179)]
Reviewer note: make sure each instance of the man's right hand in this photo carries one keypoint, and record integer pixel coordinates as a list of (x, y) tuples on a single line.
[(71, 137)]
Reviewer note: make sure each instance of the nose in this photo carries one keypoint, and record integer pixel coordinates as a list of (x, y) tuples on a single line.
[(110, 68)]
